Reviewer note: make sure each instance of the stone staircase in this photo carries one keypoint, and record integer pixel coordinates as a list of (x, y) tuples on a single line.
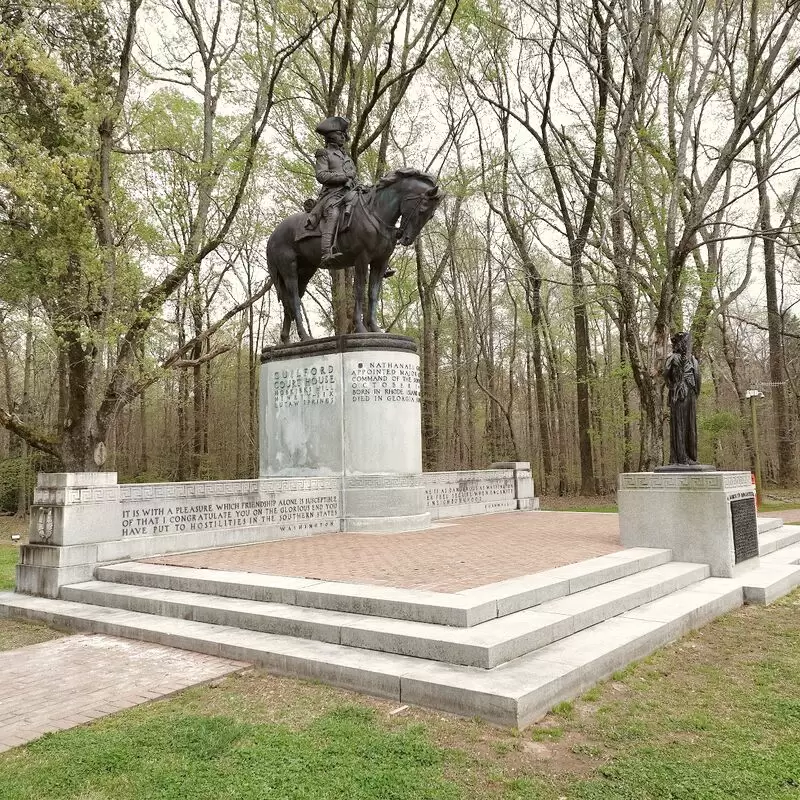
[(507, 651)]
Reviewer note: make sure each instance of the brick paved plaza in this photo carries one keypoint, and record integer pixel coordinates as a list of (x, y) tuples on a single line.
[(60, 684), (455, 554)]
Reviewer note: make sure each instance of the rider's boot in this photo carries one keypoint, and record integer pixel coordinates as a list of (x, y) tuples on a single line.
[(326, 243)]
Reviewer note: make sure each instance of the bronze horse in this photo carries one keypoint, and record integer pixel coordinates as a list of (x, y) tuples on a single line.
[(293, 255)]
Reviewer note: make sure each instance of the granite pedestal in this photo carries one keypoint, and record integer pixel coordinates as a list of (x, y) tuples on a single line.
[(703, 517), (349, 406)]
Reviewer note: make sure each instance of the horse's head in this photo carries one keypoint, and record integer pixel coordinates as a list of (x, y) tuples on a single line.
[(415, 211)]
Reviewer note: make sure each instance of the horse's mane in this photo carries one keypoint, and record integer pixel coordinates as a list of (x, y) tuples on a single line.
[(404, 172)]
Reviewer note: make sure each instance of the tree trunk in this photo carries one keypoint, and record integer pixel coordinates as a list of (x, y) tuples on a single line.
[(741, 392), (777, 366), (342, 298), (534, 296), (627, 439), (428, 379), (582, 377), (253, 416), (144, 455), (24, 413)]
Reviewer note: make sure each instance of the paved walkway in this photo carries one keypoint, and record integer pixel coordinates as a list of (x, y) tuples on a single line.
[(456, 554), (787, 514), (60, 684)]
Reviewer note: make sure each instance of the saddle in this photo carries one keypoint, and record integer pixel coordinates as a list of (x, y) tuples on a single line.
[(313, 208)]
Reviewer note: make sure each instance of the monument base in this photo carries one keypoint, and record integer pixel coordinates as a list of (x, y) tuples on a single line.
[(349, 406), (703, 517), (383, 504), (686, 468)]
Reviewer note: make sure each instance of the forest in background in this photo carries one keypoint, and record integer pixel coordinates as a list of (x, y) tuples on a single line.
[(615, 170)]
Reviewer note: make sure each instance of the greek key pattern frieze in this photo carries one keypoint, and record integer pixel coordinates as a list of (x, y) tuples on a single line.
[(382, 482), (299, 484), (184, 491), (71, 496), (430, 478), (670, 481), (134, 492)]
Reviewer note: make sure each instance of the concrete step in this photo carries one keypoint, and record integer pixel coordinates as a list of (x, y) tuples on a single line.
[(462, 609), (777, 538), (485, 645), (769, 581), (783, 555), (769, 523), (517, 693)]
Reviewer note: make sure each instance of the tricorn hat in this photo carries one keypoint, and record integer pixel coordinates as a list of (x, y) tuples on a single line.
[(331, 124), (682, 337)]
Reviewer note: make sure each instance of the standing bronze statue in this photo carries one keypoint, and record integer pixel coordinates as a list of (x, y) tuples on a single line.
[(349, 225), (682, 376)]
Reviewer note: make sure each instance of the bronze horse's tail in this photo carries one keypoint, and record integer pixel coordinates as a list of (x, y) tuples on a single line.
[(273, 266)]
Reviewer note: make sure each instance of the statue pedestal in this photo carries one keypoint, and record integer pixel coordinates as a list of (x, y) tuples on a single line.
[(348, 406), (686, 468), (702, 516)]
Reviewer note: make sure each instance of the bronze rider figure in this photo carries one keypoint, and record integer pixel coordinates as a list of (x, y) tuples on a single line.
[(337, 174)]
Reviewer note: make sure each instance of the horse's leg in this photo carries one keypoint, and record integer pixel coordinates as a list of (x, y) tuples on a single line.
[(286, 328), (358, 296), (293, 297), (283, 297), (376, 271)]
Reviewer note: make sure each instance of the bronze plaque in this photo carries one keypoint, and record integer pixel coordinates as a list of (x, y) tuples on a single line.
[(745, 529)]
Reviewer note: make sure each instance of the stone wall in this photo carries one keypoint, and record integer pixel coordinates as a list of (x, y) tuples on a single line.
[(79, 520), (507, 487)]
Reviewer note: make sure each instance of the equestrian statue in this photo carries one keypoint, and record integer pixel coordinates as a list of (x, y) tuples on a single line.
[(349, 225)]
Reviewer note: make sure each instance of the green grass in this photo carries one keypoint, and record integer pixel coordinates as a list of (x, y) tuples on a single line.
[(603, 504), (15, 633), (775, 499), (766, 507), (342, 754), (596, 509), (9, 555), (715, 716)]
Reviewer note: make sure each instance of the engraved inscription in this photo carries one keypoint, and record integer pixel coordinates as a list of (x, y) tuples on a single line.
[(301, 513), (494, 495), (306, 386), (745, 529), (389, 381)]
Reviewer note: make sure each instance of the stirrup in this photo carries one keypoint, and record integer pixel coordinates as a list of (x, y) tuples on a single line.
[(332, 259)]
